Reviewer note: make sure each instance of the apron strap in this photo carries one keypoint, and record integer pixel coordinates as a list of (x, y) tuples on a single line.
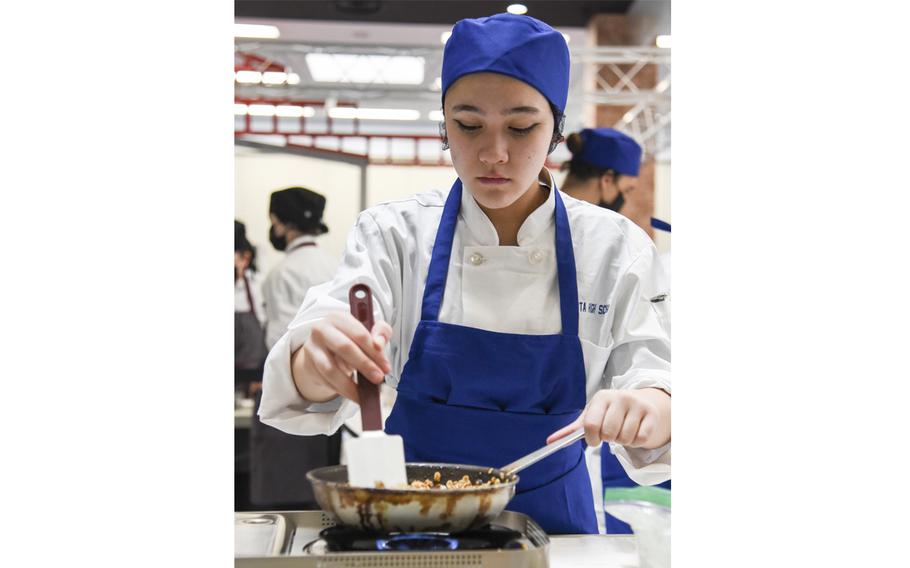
[(660, 225), (295, 247), (565, 269), (442, 252), (249, 295)]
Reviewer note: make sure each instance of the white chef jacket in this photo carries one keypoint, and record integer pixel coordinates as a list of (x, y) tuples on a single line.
[(288, 283), (511, 289), (665, 265), (242, 301)]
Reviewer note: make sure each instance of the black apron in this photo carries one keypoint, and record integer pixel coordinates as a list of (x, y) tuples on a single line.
[(249, 338), (279, 462)]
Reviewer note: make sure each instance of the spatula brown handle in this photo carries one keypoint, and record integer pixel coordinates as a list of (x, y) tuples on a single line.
[(361, 299)]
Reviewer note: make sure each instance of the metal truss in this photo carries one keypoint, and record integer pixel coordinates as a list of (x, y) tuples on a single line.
[(610, 80)]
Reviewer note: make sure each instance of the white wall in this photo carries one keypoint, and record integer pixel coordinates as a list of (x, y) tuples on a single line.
[(258, 174), (385, 183)]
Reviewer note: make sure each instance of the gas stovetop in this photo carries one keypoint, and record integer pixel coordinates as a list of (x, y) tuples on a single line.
[(311, 538)]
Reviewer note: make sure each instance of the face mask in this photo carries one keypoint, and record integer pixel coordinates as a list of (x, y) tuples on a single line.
[(279, 242), (614, 205)]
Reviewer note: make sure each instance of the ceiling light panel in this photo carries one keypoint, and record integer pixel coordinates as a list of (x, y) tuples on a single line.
[(370, 69), (294, 111), (374, 113), (256, 31), (248, 77), (274, 78), (261, 110)]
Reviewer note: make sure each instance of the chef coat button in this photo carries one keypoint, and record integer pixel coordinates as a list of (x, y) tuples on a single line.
[(476, 258), (535, 257)]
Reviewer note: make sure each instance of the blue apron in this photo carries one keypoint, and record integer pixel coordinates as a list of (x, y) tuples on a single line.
[(613, 475), (480, 397)]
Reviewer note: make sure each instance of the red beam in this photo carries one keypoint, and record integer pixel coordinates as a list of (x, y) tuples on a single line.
[(388, 160), (290, 102), (339, 134)]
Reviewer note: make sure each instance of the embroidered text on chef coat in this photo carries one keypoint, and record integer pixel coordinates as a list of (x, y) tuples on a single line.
[(593, 308)]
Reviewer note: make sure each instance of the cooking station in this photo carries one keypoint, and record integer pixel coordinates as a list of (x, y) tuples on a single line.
[(304, 539)]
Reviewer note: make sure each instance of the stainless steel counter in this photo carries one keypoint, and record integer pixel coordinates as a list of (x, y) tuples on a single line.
[(278, 541)]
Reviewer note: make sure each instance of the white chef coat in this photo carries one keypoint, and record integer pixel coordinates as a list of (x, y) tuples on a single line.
[(665, 265), (498, 288), (288, 283), (242, 301)]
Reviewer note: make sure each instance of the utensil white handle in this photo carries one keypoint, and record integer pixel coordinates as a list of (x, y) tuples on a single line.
[(537, 455)]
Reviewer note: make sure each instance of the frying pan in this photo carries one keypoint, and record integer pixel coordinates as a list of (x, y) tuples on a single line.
[(425, 510)]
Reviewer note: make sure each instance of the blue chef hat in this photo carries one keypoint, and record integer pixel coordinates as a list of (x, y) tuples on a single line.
[(609, 149), (518, 46)]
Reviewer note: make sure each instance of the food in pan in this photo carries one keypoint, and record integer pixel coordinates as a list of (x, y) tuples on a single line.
[(464, 482)]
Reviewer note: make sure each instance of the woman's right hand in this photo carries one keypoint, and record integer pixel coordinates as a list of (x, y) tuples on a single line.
[(339, 345)]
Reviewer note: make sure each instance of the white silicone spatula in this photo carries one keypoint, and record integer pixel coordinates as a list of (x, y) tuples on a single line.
[(374, 459)]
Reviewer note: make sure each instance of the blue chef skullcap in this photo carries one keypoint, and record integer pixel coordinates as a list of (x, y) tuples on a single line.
[(609, 149), (518, 46)]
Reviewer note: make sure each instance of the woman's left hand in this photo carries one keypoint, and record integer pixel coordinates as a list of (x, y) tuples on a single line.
[(635, 418)]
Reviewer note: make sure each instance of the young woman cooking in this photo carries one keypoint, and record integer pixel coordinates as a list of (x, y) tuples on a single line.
[(508, 314)]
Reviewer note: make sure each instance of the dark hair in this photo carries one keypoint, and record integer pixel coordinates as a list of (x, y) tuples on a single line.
[(241, 244), (559, 122), (579, 169)]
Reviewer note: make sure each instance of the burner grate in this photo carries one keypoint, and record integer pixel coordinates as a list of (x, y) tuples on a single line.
[(491, 537)]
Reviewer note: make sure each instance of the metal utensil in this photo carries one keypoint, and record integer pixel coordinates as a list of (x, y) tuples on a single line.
[(537, 455)]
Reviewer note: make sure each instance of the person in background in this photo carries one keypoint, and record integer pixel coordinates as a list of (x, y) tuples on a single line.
[(249, 351), (249, 314), (280, 461), (507, 314), (296, 215), (603, 169)]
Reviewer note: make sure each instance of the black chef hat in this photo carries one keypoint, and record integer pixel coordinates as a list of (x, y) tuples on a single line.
[(300, 207)]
